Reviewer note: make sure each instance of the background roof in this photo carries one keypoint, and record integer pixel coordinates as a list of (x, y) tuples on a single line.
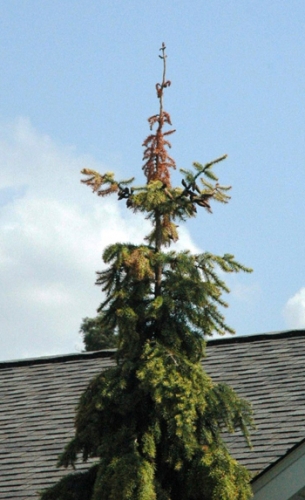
[(38, 398)]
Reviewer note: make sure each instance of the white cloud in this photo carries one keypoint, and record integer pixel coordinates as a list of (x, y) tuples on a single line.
[(294, 310), (52, 234)]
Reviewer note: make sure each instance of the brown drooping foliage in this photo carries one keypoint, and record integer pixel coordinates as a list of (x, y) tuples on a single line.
[(157, 159)]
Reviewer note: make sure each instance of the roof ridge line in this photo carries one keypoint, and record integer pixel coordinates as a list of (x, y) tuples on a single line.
[(105, 353), (257, 336), (57, 358)]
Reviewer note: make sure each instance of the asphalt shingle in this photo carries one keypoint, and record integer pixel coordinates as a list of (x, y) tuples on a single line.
[(38, 399)]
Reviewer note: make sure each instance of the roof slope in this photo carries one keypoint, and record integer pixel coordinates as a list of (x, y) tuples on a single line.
[(268, 370), (38, 398)]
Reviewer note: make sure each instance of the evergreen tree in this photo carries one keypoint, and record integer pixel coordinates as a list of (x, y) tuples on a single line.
[(154, 423), (96, 335)]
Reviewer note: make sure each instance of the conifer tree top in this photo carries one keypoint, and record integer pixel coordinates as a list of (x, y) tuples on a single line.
[(176, 202)]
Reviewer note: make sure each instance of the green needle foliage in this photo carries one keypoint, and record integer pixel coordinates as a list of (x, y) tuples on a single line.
[(96, 335), (154, 423)]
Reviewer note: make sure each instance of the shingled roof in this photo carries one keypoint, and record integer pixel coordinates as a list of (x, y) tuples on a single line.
[(38, 399)]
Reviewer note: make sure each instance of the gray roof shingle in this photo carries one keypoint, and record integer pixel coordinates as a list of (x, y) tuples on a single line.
[(38, 399)]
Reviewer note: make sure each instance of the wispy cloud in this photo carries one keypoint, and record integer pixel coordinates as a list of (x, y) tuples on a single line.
[(52, 237), (294, 310), (246, 293)]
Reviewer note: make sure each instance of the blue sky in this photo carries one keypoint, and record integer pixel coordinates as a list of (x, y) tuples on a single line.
[(77, 87)]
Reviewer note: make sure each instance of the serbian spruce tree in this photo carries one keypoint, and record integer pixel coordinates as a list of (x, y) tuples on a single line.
[(154, 422)]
